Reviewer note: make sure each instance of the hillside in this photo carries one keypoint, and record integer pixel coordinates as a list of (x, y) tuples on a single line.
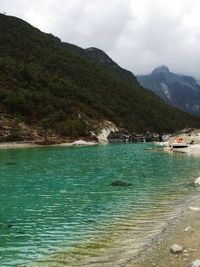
[(179, 91), (48, 85), (93, 54)]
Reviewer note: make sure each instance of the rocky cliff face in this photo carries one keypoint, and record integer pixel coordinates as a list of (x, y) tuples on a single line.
[(180, 91)]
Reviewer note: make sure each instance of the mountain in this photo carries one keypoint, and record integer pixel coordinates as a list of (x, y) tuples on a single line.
[(179, 91), (98, 56), (60, 87)]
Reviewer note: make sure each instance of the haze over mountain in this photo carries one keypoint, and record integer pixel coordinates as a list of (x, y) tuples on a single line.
[(180, 91), (53, 85)]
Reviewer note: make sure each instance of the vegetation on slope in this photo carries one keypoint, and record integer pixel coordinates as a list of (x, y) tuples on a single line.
[(46, 84)]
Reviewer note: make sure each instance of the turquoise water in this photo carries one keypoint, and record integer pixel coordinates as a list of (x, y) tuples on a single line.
[(57, 205)]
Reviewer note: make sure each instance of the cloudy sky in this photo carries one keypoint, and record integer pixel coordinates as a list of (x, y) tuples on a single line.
[(138, 34)]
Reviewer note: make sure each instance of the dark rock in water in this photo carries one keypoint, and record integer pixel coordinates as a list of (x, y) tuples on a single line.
[(21, 232), (120, 183), (10, 225), (11, 163), (90, 221)]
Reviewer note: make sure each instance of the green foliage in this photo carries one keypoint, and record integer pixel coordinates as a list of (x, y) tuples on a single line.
[(46, 83)]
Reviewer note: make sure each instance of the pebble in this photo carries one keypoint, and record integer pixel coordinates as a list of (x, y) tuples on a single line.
[(194, 208), (195, 263), (187, 229), (192, 250), (176, 248)]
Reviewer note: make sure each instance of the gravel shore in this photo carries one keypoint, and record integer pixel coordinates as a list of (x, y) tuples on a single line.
[(184, 231)]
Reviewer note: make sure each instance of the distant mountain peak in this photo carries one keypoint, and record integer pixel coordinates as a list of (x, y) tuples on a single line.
[(161, 69), (180, 91)]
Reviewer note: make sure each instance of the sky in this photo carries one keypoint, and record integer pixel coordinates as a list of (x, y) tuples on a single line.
[(139, 35)]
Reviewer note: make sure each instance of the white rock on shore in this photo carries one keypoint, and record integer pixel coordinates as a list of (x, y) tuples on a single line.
[(176, 248), (106, 128), (195, 263), (197, 182)]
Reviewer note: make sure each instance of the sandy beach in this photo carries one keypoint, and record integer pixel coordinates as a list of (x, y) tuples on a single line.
[(184, 231)]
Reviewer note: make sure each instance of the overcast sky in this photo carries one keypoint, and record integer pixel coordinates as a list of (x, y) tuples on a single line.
[(138, 34)]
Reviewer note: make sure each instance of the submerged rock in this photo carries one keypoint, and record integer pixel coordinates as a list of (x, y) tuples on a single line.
[(120, 183), (195, 263), (176, 248), (10, 225)]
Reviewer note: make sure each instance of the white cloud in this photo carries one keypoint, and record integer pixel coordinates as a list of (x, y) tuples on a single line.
[(139, 35)]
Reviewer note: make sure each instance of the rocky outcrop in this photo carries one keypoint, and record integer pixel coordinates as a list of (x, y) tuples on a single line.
[(121, 135), (106, 127)]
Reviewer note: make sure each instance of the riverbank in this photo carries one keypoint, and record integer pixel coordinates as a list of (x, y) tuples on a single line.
[(183, 231), (32, 144)]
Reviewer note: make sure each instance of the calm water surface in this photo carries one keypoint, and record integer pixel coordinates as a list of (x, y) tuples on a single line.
[(58, 208)]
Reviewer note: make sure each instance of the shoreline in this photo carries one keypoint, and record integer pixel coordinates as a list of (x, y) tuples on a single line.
[(182, 230), (155, 250), (35, 144)]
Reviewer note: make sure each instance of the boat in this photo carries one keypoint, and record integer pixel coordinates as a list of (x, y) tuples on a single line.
[(180, 147)]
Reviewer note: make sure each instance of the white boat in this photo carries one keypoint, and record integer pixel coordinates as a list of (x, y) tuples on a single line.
[(180, 147)]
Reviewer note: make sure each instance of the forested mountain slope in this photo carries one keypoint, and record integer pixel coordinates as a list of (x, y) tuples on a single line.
[(45, 83)]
